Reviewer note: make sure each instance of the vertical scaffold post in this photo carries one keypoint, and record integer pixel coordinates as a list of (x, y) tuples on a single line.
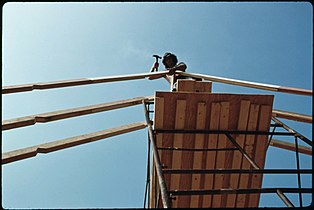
[(298, 168), (147, 187), (161, 180)]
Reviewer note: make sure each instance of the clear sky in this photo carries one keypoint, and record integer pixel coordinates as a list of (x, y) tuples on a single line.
[(41, 42)]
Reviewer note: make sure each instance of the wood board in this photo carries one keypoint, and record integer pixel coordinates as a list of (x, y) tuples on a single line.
[(183, 110)]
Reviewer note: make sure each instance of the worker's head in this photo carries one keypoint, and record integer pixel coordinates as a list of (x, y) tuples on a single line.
[(169, 60)]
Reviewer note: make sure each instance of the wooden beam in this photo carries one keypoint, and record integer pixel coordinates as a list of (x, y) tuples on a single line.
[(76, 82), (256, 85), (291, 147), (292, 116), (68, 113), (20, 154)]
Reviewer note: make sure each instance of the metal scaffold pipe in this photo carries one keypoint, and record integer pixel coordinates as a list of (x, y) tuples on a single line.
[(162, 183)]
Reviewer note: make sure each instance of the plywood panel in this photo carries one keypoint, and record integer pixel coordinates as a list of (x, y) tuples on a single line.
[(213, 111)]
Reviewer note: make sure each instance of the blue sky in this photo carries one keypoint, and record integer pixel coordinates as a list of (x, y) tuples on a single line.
[(259, 42)]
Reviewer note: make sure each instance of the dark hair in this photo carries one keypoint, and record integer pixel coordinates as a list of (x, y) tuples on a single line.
[(173, 57)]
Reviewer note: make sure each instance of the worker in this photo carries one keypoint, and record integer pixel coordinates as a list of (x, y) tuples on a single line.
[(171, 64)]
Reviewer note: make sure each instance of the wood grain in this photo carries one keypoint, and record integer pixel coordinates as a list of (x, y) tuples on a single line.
[(213, 111), (198, 156)]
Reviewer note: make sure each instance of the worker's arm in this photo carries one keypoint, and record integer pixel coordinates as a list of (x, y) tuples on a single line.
[(155, 66), (180, 66), (155, 76)]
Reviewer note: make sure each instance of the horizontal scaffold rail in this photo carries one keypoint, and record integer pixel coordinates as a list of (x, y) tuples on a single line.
[(256, 85), (275, 143), (226, 132), (237, 171), (239, 191), (68, 113), (28, 152), (76, 82)]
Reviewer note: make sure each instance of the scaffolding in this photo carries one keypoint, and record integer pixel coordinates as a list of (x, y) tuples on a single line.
[(163, 197)]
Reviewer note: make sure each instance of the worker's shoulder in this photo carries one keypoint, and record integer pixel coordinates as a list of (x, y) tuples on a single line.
[(181, 63)]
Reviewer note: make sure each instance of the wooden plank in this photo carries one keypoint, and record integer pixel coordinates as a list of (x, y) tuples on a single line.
[(17, 88), (76, 82), (164, 118), (263, 86), (211, 156), (260, 153), (248, 147), (298, 91), (69, 142), (221, 155), (158, 123), (292, 116), (18, 122), (198, 156), (185, 85), (188, 142), (167, 140), (236, 162), (178, 142), (288, 146), (68, 113)]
